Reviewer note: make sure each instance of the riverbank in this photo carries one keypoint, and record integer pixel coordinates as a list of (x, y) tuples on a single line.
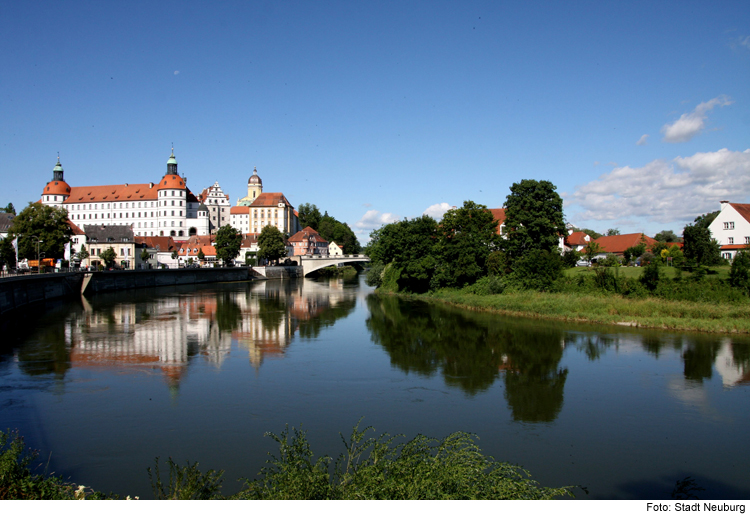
[(604, 309)]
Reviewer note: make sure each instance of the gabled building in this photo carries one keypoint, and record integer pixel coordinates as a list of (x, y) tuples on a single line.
[(617, 244), (308, 242), (259, 209), (731, 228), (577, 240), (6, 220), (218, 206), (118, 237)]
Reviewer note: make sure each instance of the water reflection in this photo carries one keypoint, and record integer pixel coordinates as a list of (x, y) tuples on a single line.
[(134, 329)]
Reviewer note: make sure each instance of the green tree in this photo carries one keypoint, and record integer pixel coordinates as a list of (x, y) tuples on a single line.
[(466, 237), (706, 219), (201, 255), (591, 250), (592, 233), (144, 255), (228, 242), (8, 209), (698, 246), (108, 256), (739, 275), (533, 218), (82, 254), (666, 236), (633, 252), (409, 248), (309, 215), (7, 253), (271, 244), (613, 232), (48, 224)]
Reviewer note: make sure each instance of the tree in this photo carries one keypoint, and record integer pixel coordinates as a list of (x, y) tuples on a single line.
[(409, 247), (633, 252), (739, 275), (83, 254), (698, 246), (109, 256), (666, 236), (706, 219), (50, 227), (533, 218), (591, 250), (228, 242), (8, 209), (592, 233), (271, 244), (613, 232), (144, 254), (201, 255), (466, 237), (7, 253), (309, 215)]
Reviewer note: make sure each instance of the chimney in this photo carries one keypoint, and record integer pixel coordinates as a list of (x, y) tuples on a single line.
[(724, 204)]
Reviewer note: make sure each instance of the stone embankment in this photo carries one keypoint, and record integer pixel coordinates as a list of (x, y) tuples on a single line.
[(18, 292)]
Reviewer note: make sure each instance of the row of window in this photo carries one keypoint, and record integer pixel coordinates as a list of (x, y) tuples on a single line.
[(96, 215), (731, 240), (729, 225)]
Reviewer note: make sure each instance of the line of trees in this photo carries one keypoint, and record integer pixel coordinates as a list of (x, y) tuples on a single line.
[(329, 228), (421, 254)]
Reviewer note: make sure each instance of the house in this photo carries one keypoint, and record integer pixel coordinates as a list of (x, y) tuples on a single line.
[(6, 220), (259, 209), (335, 250), (731, 228), (308, 242), (577, 240), (617, 244), (99, 238), (195, 246)]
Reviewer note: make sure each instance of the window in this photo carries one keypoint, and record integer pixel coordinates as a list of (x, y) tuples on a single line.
[(747, 240), (731, 241), (729, 225)]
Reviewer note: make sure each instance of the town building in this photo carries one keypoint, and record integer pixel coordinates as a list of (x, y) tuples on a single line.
[(617, 244), (259, 209), (6, 220), (307, 242), (167, 208), (118, 237), (218, 206), (731, 228)]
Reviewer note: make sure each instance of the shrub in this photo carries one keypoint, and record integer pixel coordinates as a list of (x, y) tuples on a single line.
[(739, 275), (650, 276), (489, 285), (537, 270)]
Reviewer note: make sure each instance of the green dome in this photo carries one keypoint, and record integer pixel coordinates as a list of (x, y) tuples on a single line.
[(172, 160), (58, 167)]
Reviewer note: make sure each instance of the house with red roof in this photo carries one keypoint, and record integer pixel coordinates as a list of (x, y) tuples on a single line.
[(259, 209), (617, 244), (308, 242), (731, 228)]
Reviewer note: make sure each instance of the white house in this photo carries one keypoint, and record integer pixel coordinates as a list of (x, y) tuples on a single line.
[(731, 228), (334, 250)]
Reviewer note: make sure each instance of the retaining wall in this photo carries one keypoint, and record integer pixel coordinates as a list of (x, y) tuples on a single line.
[(17, 292)]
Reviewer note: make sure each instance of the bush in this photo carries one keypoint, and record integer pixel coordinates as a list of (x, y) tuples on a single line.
[(739, 275), (537, 270), (489, 285), (650, 277)]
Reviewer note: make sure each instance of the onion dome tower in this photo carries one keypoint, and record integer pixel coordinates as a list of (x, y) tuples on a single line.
[(254, 185), (57, 190)]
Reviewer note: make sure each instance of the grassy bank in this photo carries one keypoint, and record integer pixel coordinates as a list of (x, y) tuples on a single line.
[(607, 308)]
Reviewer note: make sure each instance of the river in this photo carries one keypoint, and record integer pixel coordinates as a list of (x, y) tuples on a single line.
[(104, 385)]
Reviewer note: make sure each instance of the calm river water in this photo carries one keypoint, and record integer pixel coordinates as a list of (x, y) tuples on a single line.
[(104, 385)]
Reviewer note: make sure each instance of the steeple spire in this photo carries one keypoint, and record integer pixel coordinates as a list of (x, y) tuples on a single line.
[(57, 172), (172, 163)]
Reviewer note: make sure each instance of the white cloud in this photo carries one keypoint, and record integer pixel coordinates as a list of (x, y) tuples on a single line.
[(642, 141), (437, 211), (375, 219), (666, 191), (690, 125)]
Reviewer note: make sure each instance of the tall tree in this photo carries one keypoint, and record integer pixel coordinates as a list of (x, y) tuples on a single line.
[(699, 246), (8, 209), (108, 256), (228, 242), (309, 215), (43, 223), (466, 237), (533, 218), (666, 236), (706, 219), (271, 244), (613, 231)]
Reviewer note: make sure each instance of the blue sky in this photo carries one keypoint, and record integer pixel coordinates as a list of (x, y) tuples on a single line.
[(638, 112)]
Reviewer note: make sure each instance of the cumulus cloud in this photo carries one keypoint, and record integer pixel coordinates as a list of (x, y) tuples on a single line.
[(642, 141), (689, 125), (666, 191), (375, 219), (437, 211)]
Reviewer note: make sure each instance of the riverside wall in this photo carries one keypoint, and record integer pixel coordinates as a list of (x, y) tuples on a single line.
[(18, 292)]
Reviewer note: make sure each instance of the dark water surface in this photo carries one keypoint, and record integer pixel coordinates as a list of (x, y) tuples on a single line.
[(104, 385)]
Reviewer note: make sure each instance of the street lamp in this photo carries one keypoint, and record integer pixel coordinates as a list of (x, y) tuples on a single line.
[(38, 262)]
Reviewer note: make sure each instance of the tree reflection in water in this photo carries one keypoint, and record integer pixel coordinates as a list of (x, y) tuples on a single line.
[(471, 350)]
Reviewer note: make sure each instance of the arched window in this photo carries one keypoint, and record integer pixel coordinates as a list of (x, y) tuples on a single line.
[(171, 233)]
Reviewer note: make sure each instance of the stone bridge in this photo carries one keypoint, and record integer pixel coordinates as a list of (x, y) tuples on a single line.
[(310, 263)]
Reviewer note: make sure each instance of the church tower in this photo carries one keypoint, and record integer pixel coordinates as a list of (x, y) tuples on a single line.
[(57, 172), (254, 185)]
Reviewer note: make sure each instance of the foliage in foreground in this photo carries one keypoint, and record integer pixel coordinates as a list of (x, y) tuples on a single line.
[(370, 468), (380, 468)]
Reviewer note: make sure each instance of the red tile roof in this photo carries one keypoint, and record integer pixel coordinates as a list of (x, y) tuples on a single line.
[(619, 243), (306, 233), (743, 209), (577, 238), (76, 230), (113, 193), (56, 187), (270, 200), (161, 243), (239, 209)]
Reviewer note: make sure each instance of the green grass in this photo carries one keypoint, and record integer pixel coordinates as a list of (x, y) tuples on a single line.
[(632, 272), (608, 308)]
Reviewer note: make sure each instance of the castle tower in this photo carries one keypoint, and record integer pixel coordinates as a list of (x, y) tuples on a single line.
[(172, 164), (254, 185)]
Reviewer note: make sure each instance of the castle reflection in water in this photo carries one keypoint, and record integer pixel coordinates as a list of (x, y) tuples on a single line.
[(167, 332)]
